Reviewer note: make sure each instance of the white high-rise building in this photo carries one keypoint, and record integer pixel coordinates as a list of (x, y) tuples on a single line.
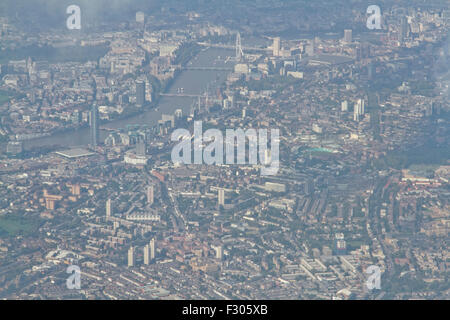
[(358, 109), (140, 17), (356, 112), (152, 249), (348, 35), (344, 106), (108, 208), (147, 254), (361, 105), (150, 195), (267, 157), (219, 252), (221, 197), (276, 47), (131, 257)]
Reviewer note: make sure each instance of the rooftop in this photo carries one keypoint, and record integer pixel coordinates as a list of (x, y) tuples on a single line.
[(75, 153)]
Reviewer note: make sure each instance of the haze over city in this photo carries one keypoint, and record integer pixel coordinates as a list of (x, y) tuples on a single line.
[(224, 150)]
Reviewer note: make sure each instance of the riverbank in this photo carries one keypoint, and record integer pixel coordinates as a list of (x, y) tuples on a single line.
[(193, 82)]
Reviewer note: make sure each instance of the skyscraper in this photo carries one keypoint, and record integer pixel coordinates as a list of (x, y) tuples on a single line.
[(152, 249), (403, 32), (358, 109), (221, 196), (131, 257), (276, 46), (140, 93), (348, 35), (94, 125), (147, 254), (219, 251), (108, 208), (140, 17), (150, 195), (267, 157), (356, 112), (141, 147)]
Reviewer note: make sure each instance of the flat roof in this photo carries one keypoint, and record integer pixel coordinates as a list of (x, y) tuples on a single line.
[(75, 153)]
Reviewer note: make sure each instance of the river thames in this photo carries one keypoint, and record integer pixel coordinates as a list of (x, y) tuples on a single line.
[(193, 82)]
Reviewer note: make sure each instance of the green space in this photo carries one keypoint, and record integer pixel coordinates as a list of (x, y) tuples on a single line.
[(4, 97), (14, 224), (427, 155)]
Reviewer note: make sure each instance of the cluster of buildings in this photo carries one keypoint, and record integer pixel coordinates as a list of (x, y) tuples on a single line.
[(354, 189)]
